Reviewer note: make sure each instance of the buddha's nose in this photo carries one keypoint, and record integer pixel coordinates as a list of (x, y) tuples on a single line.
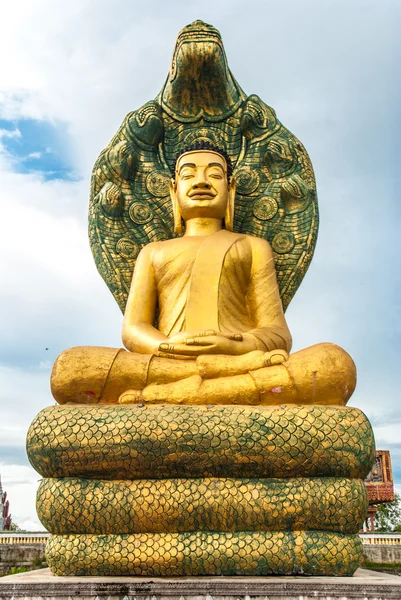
[(201, 182)]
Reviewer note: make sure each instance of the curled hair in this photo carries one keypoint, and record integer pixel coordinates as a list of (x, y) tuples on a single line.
[(204, 145)]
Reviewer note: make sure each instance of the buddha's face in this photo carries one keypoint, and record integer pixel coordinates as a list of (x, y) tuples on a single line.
[(201, 187)]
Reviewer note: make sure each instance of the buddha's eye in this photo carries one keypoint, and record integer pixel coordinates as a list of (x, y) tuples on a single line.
[(186, 174), (215, 174)]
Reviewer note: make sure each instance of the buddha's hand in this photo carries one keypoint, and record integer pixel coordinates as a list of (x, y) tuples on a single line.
[(196, 343)]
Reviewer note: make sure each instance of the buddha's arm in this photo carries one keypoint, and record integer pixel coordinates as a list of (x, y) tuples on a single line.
[(264, 303), (139, 334)]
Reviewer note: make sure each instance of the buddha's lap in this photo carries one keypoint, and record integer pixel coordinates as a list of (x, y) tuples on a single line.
[(320, 374)]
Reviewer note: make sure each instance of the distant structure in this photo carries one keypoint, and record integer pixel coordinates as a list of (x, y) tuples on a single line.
[(5, 517), (380, 485)]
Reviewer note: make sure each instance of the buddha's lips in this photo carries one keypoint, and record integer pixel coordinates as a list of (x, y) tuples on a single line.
[(198, 195)]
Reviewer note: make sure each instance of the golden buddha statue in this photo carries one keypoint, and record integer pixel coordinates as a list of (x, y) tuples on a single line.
[(221, 335), (205, 447)]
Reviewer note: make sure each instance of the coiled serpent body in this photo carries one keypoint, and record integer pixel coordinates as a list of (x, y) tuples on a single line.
[(132, 442), (205, 553), (214, 504), (193, 490)]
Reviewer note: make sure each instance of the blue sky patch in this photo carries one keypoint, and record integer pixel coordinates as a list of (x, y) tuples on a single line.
[(36, 146)]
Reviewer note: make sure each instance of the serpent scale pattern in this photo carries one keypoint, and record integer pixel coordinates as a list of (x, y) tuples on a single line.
[(276, 191), (90, 506), (164, 441), (199, 553)]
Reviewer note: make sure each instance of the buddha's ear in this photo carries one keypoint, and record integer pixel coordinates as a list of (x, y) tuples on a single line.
[(176, 208), (229, 216)]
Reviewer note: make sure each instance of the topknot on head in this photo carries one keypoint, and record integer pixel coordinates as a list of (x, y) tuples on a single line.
[(204, 145)]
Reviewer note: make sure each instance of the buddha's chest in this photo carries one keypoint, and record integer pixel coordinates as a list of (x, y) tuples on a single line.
[(178, 265)]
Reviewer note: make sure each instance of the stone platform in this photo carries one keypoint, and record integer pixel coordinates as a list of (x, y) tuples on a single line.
[(41, 584)]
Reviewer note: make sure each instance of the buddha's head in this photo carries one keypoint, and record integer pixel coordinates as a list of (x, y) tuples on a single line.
[(202, 185)]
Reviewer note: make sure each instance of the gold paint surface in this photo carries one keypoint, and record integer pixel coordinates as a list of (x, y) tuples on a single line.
[(136, 442), (201, 101), (209, 279), (157, 483), (201, 553), (90, 506), (211, 292), (322, 374)]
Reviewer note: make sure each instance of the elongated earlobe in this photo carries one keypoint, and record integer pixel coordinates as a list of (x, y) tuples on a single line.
[(176, 209), (229, 216), (177, 218)]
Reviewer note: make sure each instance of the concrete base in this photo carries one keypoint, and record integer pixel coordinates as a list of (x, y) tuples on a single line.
[(42, 585), (382, 553), (21, 555)]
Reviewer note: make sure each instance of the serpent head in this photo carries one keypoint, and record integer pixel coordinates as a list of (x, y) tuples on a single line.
[(200, 82)]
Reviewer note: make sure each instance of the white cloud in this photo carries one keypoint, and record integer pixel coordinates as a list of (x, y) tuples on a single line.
[(51, 292), (7, 133)]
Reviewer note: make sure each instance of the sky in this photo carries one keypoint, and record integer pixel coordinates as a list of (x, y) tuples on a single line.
[(71, 71)]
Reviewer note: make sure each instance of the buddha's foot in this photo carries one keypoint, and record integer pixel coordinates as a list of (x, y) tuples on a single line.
[(224, 380), (238, 389), (215, 366), (130, 397), (156, 393), (205, 553), (234, 370), (275, 357)]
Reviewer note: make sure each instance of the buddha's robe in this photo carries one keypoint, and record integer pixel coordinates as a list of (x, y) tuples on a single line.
[(213, 286)]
